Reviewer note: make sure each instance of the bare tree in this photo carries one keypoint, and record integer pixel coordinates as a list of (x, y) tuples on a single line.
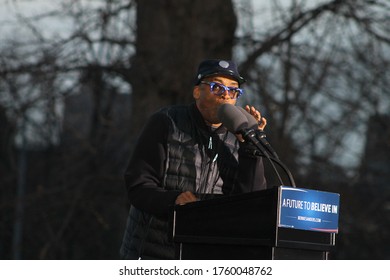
[(74, 178), (309, 72), (320, 72), (172, 38), (317, 72), (90, 75)]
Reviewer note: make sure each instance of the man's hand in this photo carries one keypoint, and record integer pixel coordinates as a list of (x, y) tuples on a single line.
[(262, 122), (185, 197)]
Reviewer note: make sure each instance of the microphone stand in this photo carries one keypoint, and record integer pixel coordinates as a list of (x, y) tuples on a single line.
[(283, 166), (251, 136)]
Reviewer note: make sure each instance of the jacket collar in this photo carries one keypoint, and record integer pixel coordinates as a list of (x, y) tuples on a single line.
[(200, 122)]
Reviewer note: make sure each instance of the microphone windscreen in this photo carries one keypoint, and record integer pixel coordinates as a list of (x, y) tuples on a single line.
[(232, 118), (252, 123)]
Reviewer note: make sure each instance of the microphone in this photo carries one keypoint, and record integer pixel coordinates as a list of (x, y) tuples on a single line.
[(236, 122), (260, 134), (232, 118)]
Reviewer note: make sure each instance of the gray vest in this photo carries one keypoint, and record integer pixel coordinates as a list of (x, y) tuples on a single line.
[(198, 160)]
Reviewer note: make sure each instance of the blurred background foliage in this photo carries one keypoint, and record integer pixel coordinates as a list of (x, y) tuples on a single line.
[(79, 78)]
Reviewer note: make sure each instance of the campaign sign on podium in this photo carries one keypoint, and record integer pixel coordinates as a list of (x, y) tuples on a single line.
[(308, 209), (279, 223)]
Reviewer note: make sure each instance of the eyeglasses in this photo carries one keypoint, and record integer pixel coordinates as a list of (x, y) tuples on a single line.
[(219, 89)]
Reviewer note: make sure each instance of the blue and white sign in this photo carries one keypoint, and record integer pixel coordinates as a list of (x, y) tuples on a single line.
[(308, 209)]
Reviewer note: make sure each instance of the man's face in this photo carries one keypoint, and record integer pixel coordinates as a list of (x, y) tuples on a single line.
[(208, 103)]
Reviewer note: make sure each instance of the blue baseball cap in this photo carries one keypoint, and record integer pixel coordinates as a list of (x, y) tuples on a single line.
[(211, 67)]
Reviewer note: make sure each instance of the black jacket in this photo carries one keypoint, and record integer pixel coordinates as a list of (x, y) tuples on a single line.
[(176, 152)]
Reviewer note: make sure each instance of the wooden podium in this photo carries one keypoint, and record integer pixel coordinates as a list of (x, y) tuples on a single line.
[(244, 226)]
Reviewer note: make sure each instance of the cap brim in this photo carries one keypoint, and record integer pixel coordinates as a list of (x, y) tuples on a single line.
[(239, 79)]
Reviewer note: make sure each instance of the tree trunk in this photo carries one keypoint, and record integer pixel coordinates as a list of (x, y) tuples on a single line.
[(172, 37)]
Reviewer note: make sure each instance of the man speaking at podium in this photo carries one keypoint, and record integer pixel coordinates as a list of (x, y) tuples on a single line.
[(184, 153)]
